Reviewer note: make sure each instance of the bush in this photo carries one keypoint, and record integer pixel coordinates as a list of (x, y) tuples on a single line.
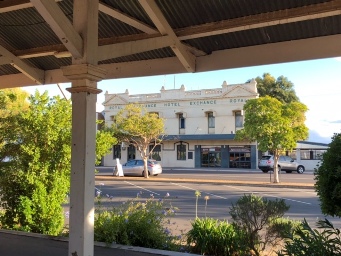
[(137, 223), (213, 237), (307, 241), (328, 178), (256, 216)]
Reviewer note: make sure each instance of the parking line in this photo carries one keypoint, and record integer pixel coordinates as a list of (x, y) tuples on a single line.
[(288, 199), (141, 188), (199, 190)]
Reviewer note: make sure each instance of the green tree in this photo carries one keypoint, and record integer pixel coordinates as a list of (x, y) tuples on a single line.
[(104, 141), (12, 102), (328, 178), (135, 126), (275, 126), (35, 183), (282, 89)]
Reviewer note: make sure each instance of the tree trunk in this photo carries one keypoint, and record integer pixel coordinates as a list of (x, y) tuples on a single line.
[(145, 161), (276, 176)]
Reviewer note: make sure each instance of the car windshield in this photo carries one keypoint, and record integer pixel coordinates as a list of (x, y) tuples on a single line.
[(266, 157)]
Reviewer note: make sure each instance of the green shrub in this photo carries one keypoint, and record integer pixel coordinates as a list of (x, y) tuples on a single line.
[(328, 178), (213, 237), (307, 241), (254, 215), (137, 223)]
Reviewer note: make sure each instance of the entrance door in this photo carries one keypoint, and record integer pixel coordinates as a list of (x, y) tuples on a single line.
[(211, 159)]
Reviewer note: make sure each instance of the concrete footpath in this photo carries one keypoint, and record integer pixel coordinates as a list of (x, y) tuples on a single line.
[(14, 243)]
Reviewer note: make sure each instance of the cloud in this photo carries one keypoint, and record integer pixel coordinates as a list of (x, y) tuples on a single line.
[(316, 137), (335, 122)]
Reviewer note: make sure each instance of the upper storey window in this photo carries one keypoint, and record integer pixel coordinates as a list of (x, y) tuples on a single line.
[(211, 120), (181, 121)]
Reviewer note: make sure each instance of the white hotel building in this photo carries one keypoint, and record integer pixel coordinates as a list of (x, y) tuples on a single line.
[(200, 126)]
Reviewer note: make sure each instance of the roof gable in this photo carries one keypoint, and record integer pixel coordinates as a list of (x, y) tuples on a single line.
[(239, 91), (115, 100)]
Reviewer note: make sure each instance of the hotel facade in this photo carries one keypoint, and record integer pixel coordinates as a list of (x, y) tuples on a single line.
[(200, 128)]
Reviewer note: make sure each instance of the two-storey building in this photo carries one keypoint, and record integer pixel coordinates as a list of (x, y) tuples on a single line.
[(200, 126)]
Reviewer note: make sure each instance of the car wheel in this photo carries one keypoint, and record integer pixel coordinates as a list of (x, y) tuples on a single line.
[(264, 171), (300, 169), (279, 169), (288, 171)]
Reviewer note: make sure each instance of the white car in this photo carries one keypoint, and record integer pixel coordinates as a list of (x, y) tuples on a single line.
[(285, 163), (136, 167)]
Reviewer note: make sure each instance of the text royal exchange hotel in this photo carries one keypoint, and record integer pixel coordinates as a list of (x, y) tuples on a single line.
[(200, 127)]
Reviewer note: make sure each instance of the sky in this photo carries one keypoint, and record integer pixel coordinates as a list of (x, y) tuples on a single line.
[(316, 83)]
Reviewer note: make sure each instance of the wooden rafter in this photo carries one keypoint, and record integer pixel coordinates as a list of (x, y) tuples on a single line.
[(326, 9), (61, 26), (186, 58), (126, 19), (35, 74)]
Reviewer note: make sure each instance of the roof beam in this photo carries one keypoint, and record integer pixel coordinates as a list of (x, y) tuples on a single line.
[(37, 75), (106, 52), (186, 58), (8, 6), (61, 26), (326, 9), (304, 49), (4, 60), (126, 19), (322, 10)]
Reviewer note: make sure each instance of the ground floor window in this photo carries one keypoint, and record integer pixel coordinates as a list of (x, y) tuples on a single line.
[(131, 152), (116, 151), (156, 155), (240, 157), (311, 154), (181, 152)]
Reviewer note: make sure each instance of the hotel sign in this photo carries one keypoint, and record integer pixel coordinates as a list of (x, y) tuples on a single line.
[(185, 103)]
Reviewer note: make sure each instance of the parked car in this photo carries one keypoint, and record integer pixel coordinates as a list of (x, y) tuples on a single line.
[(285, 163), (136, 167)]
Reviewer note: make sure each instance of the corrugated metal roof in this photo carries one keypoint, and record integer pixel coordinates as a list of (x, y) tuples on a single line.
[(25, 32), (271, 34)]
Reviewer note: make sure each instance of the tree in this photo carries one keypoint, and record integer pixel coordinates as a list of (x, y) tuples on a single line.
[(282, 89), (104, 141), (12, 102), (35, 183), (135, 126), (275, 126), (328, 178)]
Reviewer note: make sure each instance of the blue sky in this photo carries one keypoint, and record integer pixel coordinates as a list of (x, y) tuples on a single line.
[(317, 84)]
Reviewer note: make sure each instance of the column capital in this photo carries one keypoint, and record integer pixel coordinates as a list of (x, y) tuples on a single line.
[(84, 71), (88, 89)]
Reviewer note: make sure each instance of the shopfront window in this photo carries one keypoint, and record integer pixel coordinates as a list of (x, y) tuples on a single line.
[(240, 157)]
